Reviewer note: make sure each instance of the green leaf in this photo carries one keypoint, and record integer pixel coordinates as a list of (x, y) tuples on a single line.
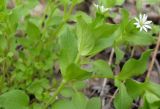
[(77, 1), (104, 36), (33, 31), (74, 72), (119, 54), (112, 3), (134, 37), (86, 40), (10, 54), (152, 1), (119, 2), (108, 3), (3, 43), (37, 87), (145, 104), (68, 46), (125, 19), (36, 106), (2, 5), (14, 99), (134, 67), (102, 69), (61, 104), (84, 16), (135, 88), (31, 3), (67, 92), (94, 103), (79, 100), (3, 17), (151, 98), (151, 101), (79, 85), (122, 99), (154, 88), (17, 14), (140, 38)]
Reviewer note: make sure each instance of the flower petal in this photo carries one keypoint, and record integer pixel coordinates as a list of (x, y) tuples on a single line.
[(140, 17), (141, 28), (144, 18), (147, 26), (148, 22), (145, 29), (137, 25), (136, 19)]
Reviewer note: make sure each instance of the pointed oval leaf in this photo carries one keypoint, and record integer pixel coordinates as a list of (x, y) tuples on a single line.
[(74, 72), (14, 99), (122, 99), (134, 67), (68, 46), (102, 69)]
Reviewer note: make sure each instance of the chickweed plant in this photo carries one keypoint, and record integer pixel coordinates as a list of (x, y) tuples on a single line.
[(46, 59)]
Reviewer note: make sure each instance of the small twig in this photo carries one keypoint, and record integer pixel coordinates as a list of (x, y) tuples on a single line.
[(153, 59), (132, 52), (113, 96), (105, 80), (158, 66)]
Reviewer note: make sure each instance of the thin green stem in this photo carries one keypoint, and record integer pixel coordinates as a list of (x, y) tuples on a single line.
[(3, 70), (65, 19), (43, 24), (77, 58), (53, 98)]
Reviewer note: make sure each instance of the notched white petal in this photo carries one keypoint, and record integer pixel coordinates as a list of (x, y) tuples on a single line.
[(148, 22), (144, 18), (140, 17), (142, 22), (145, 29), (147, 26)]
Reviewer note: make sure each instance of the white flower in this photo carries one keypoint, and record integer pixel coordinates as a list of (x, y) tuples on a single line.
[(102, 9), (142, 22)]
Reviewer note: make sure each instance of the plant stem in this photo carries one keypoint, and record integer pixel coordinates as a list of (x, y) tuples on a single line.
[(43, 24), (4, 71), (53, 98), (153, 59), (77, 58), (113, 96), (65, 19)]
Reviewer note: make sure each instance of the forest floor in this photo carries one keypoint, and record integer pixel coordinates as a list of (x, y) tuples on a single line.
[(94, 86)]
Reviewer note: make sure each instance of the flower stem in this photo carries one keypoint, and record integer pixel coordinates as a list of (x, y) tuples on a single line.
[(53, 98)]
